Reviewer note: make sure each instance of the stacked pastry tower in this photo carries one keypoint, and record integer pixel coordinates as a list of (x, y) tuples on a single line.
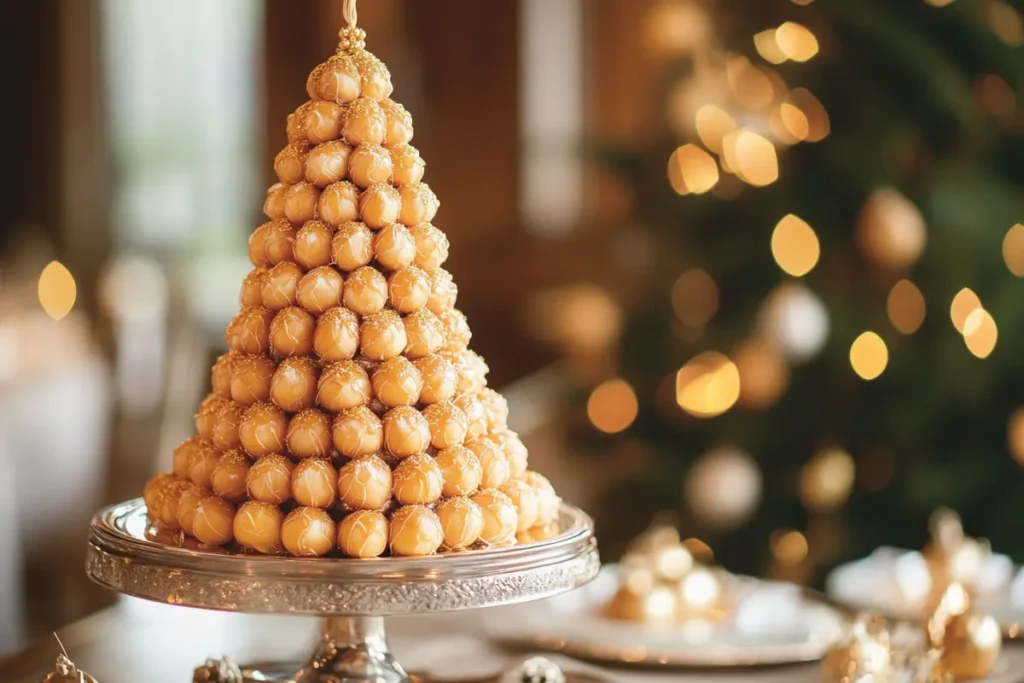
[(349, 416)]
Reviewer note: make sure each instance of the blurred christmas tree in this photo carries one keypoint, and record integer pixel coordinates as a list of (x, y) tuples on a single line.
[(828, 346)]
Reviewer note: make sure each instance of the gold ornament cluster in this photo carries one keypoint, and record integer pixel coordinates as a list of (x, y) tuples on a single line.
[(661, 583), (954, 642), (349, 416)]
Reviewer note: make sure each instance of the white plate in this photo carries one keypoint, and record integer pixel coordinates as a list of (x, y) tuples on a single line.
[(896, 583), (773, 623)]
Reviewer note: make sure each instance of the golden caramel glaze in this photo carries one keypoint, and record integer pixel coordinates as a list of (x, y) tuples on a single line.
[(188, 500), (327, 163), (278, 241), (357, 431), (475, 415), (397, 382), (342, 385), (309, 434), (448, 425), (524, 497), (273, 205), (281, 285), (257, 526), (308, 532), (165, 503), (423, 333), (364, 483), (296, 123), (398, 125), (369, 164), (300, 202), (338, 203), (366, 291), (440, 378), (495, 468), (415, 530), (262, 429), (220, 373), (336, 336), (249, 331), (394, 247), (293, 386), (500, 516), (312, 244), (213, 521), (206, 419), (406, 431), (364, 122), (375, 79), (258, 241), (419, 204), (314, 483), (230, 476), (250, 380), (337, 80), (320, 289), (252, 288), (153, 489), (291, 332), (408, 289), (407, 165), (456, 330), (270, 479), (460, 471), (462, 522), (417, 480), (443, 291), (431, 246), (290, 162), (225, 429), (495, 407), (363, 533), (323, 121), (380, 205), (548, 501), (352, 246), (382, 335)]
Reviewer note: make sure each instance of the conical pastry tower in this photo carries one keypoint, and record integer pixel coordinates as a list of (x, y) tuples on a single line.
[(349, 418)]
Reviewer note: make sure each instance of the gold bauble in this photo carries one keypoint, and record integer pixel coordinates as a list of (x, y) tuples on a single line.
[(657, 606)]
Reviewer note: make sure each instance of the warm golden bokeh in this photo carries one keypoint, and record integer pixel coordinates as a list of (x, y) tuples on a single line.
[(905, 306), (795, 246), (708, 385), (695, 298), (964, 303), (796, 41), (691, 170), (827, 480), (1005, 22), (818, 123), (750, 85), (789, 547), (57, 290), (764, 375), (751, 157), (1015, 435), (980, 333), (612, 406), (869, 355), (795, 122), (1013, 250), (713, 124), (768, 47)]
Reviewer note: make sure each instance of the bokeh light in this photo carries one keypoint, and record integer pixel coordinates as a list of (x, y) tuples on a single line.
[(964, 303), (995, 95), (939, 3), (752, 157), (905, 306), (1005, 22), (826, 480), (795, 321), (796, 41), (700, 550), (1013, 250), (980, 333), (612, 406), (795, 246), (891, 230), (708, 385), (794, 120), (1015, 435), (789, 547), (713, 124), (768, 47), (676, 28), (818, 122), (695, 298), (869, 355), (764, 375), (723, 488), (691, 170), (750, 85), (57, 290)]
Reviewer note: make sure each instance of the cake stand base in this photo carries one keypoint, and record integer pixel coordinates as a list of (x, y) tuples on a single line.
[(352, 650)]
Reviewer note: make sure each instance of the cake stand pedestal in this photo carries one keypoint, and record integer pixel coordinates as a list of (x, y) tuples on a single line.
[(352, 596)]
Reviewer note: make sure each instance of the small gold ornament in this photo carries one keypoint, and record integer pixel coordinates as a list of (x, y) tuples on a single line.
[(952, 556), (218, 671), (970, 642), (863, 654)]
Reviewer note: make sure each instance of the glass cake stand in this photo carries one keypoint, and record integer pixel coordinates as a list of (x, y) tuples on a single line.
[(353, 596)]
